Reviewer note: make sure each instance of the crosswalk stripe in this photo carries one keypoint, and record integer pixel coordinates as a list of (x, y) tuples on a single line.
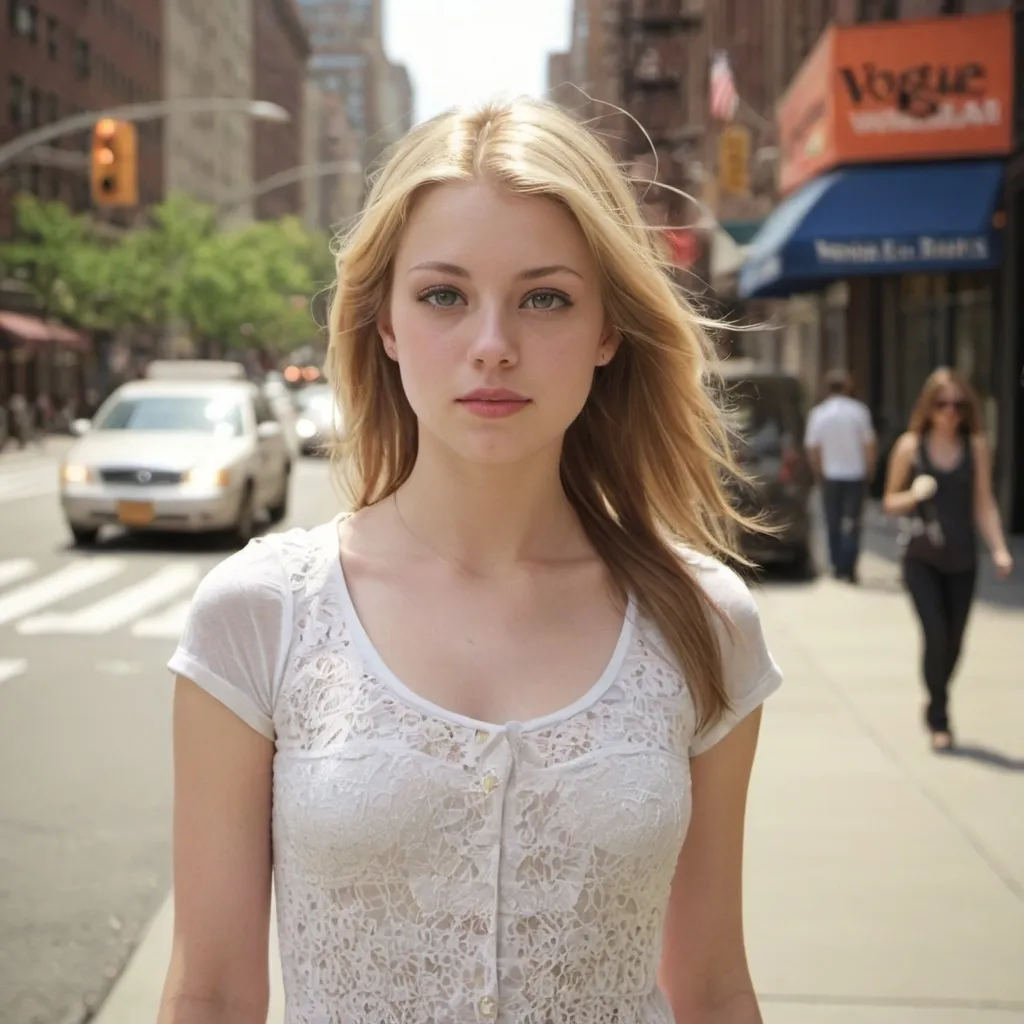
[(53, 588), (15, 569), (10, 668), (118, 609), (168, 625)]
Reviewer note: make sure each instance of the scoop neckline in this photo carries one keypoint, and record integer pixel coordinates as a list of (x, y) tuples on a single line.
[(372, 657)]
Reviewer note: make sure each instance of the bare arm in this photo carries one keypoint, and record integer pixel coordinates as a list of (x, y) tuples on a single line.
[(897, 500), (986, 512), (871, 458), (222, 866), (703, 971)]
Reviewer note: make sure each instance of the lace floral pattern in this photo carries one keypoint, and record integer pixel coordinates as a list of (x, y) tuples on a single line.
[(430, 871)]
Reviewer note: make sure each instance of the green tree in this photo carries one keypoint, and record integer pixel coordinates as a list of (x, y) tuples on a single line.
[(47, 253)]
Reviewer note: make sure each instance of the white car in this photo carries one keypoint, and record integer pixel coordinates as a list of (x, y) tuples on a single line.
[(193, 448)]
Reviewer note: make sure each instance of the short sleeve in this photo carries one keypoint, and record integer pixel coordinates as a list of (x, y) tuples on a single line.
[(237, 632), (749, 671)]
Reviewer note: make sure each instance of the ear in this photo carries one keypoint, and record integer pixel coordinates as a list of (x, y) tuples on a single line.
[(610, 341), (387, 335)]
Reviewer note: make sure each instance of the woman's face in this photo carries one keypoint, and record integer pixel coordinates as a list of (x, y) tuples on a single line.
[(948, 406), (496, 321)]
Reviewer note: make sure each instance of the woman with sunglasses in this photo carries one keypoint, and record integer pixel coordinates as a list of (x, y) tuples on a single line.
[(940, 483)]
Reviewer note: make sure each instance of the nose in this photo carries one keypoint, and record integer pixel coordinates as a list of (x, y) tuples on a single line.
[(494, 342)]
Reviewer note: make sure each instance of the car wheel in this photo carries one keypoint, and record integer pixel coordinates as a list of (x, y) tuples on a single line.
[(84, 536), (279, 509), (245, 525)]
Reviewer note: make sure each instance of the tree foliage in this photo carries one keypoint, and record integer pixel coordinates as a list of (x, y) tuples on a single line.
[(251, 285)]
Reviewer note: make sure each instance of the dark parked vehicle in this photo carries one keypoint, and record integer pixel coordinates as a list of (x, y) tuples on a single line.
[(766, 413)]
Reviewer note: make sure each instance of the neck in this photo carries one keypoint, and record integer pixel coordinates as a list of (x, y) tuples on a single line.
[(944, 434), (487, 518)]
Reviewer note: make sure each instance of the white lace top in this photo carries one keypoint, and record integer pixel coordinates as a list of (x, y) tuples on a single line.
[(430, 868)]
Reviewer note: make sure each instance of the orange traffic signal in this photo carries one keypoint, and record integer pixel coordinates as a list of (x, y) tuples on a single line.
[(115, 163)]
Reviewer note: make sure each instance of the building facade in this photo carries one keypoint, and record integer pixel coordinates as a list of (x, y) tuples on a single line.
[(897, 234), (280, 53), (208, 52), (330, 201), (63, 57)]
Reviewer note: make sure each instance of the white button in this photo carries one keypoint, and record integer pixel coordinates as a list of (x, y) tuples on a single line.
[(489, 782), (488, 1007)]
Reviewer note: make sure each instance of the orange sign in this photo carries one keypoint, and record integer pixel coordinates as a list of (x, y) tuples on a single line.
[(900, 90)]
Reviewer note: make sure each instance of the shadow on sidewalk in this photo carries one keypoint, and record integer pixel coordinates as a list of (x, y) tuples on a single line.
[(985, 756)]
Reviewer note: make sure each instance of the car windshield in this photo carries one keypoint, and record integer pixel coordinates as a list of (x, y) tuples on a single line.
[(207, 414), (316, 400)]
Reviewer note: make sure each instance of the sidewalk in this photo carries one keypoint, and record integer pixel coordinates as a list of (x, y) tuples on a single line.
[(885, 885)]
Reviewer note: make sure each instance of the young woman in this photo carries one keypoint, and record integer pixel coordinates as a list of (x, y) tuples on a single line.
[(940, 482), (492, 732)]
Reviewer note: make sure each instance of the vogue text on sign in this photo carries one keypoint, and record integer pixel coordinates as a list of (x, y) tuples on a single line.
[(920, 89)]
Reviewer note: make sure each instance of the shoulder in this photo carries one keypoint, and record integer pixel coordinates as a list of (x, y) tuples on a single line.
[(735, 614), (259, 575), (723, 585), (906, 444)]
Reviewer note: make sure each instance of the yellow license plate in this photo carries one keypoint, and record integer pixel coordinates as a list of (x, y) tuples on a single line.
[(135, 513)]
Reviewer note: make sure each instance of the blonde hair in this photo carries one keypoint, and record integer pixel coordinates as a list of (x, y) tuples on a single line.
[(924, 407), (643, 463)]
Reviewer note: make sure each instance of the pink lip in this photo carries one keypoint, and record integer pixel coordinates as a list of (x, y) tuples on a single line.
[(493, 403)]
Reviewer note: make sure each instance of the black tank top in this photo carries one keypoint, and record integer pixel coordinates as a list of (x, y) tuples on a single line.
[(949, 541)]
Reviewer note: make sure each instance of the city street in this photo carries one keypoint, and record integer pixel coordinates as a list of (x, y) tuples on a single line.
[(884, 884), (85, 795)]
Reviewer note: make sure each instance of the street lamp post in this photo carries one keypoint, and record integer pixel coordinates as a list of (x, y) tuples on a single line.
[(261, 110), (303, 172)]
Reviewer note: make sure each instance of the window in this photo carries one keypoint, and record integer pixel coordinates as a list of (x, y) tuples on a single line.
[(23, 18), (52, 107), (52, 33), (877, 10), (35, 108), (82, 58), (17, 107)]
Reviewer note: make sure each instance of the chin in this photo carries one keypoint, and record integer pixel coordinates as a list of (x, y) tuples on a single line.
[(503, 447)]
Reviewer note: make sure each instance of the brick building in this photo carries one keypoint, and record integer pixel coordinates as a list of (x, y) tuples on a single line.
[(63, 57), (280, 52)]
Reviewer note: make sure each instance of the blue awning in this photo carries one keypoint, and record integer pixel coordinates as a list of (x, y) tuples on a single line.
[(894, 219)]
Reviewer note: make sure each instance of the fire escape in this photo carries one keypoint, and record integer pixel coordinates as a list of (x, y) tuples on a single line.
[(662, 48)]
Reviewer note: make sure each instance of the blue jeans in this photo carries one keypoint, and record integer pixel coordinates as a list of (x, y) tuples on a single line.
[(844, 513)]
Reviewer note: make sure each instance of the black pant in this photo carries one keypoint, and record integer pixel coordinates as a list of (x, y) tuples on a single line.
[(844, 513), (943, 603)]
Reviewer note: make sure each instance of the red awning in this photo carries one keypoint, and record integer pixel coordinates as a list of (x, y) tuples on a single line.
[(34, 330), (26, 328)]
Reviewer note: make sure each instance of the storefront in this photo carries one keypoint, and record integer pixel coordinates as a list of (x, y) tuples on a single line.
[(894, 138)]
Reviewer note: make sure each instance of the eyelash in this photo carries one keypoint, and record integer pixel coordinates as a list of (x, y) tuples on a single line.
[(441, 289)]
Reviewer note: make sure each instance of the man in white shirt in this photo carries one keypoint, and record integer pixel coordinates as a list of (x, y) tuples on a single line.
[(843, 451)]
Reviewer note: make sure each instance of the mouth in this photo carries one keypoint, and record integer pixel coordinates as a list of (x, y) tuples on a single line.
[(493, 403)]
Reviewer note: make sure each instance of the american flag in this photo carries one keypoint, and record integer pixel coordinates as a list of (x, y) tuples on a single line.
[(724, 98)]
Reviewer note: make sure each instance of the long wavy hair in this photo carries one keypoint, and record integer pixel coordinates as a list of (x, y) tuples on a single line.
[(647, 463), (924, 407)]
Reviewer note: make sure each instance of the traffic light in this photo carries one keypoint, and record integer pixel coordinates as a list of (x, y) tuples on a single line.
[(115, 163)]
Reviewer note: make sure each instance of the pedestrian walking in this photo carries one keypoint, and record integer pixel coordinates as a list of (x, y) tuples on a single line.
[(492, 728), (940, 485), (842, 448)]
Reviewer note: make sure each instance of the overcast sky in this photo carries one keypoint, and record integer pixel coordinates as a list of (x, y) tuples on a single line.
[(467, 51)]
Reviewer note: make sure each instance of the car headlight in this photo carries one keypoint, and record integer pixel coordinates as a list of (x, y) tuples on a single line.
[(208, 476), (305, 428), (71, 473)]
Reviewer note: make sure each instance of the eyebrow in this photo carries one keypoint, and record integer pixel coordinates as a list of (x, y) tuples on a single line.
[(527, 275)]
